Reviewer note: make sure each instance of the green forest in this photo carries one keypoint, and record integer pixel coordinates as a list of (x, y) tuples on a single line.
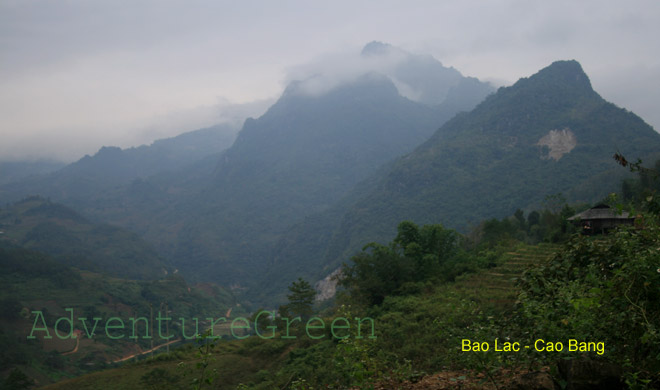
[(227, 195), (527, 301), (334, 245)]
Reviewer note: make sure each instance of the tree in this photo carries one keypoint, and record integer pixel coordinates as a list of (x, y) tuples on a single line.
[(533, 218), (555, 202), (376, 272), (415, 255), (301, 299)]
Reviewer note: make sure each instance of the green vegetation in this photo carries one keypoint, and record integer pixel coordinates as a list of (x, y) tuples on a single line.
[(17, 380), (436, 300), (72, 240), (414, 257), (601, 290), (221, 218), (548, 225), (35, 282), (481, 165), (301, 300), (441, 301), (408, 342)]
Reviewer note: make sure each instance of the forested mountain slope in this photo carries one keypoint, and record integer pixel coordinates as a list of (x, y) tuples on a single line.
[(547, 134)]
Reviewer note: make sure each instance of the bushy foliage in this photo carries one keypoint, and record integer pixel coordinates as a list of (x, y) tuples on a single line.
[(416, 255), (605, 290), (548, 225)]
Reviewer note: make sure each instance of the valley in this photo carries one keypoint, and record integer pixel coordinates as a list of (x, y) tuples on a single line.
[(399, 225)]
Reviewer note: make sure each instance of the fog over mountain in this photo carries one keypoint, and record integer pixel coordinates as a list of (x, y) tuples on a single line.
[(76, 76), (421, 78), (217, 213), (549, 133), (439, 174)]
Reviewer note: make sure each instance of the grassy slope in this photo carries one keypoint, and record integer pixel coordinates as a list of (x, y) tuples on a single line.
[(37, 283), (497, 285), (489, 290), (235, 361)]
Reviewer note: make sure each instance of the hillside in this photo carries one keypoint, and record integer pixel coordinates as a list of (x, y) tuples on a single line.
[(428, 291), (12, 171), (526, 298), (79, 183), (547, 134), (35, 282), (302, 156), (269, 363), (219, 217), (38, 224), (497, 285)]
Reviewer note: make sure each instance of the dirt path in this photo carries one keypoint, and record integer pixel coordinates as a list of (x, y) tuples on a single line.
[(75, 349), (145, 352), (78, 334)]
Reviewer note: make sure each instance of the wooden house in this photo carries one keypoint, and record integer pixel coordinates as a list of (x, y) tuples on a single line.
[(600, 219)]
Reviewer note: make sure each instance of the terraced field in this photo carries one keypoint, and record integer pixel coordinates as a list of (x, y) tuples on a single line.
[(491, 290), (497, 285)]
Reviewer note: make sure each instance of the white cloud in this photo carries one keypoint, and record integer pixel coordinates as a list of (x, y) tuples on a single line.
[(332, 69), (76, 75)]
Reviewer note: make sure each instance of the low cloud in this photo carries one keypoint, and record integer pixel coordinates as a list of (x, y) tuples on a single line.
[(330, 71), (77, 75), (176, 122), (69, 143)]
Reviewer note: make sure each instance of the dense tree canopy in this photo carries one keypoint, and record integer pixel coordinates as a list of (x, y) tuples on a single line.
[(415, 255)]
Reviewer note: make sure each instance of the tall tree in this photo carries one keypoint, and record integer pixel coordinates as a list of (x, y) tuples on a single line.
[(301, 299)]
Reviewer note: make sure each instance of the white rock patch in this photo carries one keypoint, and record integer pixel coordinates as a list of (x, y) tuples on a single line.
[(326, 288), (559, 142)]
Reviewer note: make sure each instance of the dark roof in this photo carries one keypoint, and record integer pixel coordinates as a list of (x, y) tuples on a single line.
[(601, 211)]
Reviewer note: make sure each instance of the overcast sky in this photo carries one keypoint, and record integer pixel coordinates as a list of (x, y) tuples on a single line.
[(79, 74)]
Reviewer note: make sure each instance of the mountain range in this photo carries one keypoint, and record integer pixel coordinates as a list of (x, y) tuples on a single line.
[(60, 232), (323, 172), (547, 134), (87, 179), (218, 218)]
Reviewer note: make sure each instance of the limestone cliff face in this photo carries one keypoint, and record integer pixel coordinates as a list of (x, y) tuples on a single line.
[(559, 142), (327, 287)]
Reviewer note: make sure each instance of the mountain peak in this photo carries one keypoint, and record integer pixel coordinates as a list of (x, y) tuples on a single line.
[(564, 73), (368, 84), (376, 48)]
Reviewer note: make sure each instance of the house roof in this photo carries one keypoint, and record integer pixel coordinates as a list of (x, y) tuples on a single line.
[(601, 211)]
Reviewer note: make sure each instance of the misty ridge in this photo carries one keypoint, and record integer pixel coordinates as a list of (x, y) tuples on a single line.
[(420, 78), (380, 183), (337, 122), (232, 205)]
